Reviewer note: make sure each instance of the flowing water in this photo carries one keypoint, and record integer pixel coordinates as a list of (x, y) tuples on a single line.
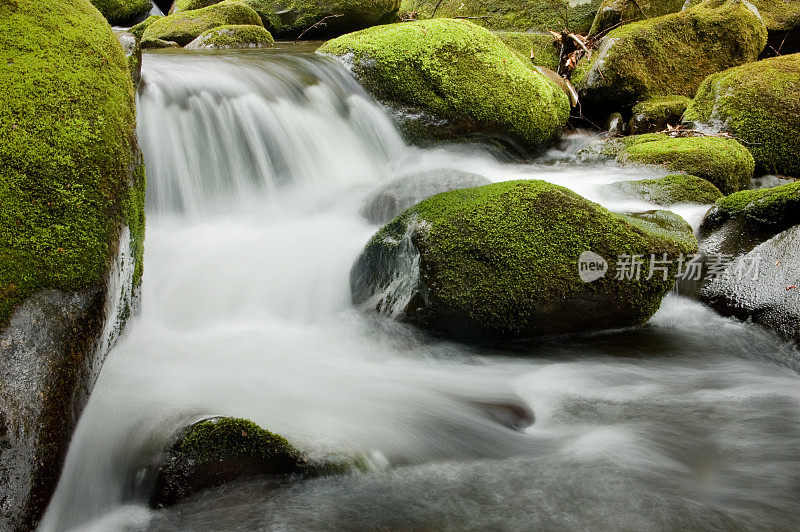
[(258, 164)]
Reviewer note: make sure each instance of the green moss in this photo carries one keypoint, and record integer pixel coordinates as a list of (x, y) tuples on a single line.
[(225, 438), (657, 113), (119, 12), (233, 37), (184, 27), (773, 209), (458, 71), (668, 55), (68, 146), (512, 15), (289, 18), (138, 29), (671, 190), (532, 48), (778, 15), (613, 13), (505, 256), (724, 162), (758, 103)]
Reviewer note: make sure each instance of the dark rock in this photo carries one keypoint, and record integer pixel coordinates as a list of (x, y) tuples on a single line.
[(761, 286), (395, 196)]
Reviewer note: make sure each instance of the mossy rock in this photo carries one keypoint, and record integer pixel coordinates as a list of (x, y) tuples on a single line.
[(219, 450), (155, 44), (186, 26), (138, 29), (655, 114), (288, 19), (122, 12), (501, 262), (668, 55), (614, 13), (534, 48), (722, 161), (511, 15), (457, 71), (132, 48), (69, 150), (670, 190), (767, 210), (226, 37), (778, 15), (758, 103)]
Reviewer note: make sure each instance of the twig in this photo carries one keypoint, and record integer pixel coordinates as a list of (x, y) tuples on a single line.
[(433, 15), (320, 22)]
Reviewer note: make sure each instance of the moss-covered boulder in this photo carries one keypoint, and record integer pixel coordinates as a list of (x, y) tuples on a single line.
[(532, 48), (185, 27), (782, 18), (502, 262), (289, 19), (520, 15), (393, 197), (758, 103), (670, 190), (138, 29), (123, 12), (226, 37), (655, 114), (722, 161), (668, 55), (71, 232), (218, 450), (614, 13), (458, 72)]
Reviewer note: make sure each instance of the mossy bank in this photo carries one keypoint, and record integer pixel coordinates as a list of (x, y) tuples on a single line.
[(459, 72), (502, 262)]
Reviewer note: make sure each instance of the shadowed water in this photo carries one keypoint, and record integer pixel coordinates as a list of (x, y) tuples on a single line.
[(258, 165)]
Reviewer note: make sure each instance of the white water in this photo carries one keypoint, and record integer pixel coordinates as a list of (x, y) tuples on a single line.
[(258, 164)]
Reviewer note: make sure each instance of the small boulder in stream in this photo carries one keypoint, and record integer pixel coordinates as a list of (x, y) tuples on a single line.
[(670, 190), (219, 450), (186, 26), (232, 36), (503, 261)]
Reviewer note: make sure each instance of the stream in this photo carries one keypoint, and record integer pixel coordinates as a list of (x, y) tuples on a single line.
[(258, 164)]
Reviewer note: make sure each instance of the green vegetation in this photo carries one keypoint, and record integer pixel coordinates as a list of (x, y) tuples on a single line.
[(138, 29), (671, 190), (774, 209), (184, 27), (539, 45), (119, 12), (778, 15), (233, 37), (613, 13), (758, 103), (226, 438), (724, 162), (67, 124), (511, 14), (668, 55), (502, 260), (458, 71), (655, 114)]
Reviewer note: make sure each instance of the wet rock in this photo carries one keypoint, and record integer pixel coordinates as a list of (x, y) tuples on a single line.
[(655, 114), (186, 26), (724, 162), (219, 450), (762, 286), (227, 37), (133, 53), (615, 125), (670, 190), (759, 104), (392, 198), (500, 262), (671, 54), (123, 12), (458, 74), (71, 233)]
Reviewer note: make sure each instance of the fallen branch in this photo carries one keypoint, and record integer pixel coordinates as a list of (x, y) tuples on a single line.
[(319, 23)]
